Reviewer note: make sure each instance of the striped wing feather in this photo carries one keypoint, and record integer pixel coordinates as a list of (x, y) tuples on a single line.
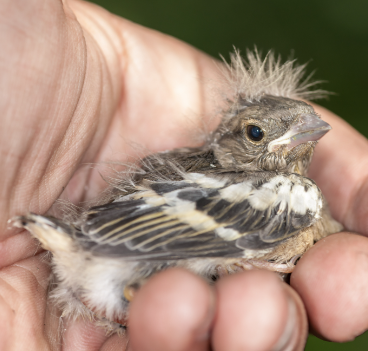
[(198, 217)]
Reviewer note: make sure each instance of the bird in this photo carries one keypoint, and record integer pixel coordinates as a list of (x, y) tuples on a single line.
[(242, 200)]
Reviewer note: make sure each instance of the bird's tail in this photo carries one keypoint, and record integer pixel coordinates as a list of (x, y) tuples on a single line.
[(53, 234)]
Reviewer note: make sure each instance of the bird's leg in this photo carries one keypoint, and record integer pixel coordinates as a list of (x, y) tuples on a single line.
[(287, 267), (271, 266)]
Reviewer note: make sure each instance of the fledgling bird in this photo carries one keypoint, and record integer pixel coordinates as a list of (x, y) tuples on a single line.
[(241, 201)]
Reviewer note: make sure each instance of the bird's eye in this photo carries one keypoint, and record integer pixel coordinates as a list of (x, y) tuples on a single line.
[(255, 133)]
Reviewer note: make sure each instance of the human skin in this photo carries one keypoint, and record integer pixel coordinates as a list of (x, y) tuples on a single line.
[(77, 83)]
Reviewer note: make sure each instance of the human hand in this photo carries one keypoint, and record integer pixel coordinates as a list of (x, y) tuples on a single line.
[(76, 89)]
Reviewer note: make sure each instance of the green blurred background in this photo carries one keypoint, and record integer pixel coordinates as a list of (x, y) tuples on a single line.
[(332, 35)]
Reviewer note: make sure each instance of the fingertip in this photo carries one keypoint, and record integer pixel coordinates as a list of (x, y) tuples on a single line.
[(173, 311), (256, 311), (332, 280)]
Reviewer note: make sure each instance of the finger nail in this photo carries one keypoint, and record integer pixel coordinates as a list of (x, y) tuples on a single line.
[(296, 329)]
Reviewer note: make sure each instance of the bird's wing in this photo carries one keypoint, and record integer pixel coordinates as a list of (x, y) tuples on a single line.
[(202, 216)]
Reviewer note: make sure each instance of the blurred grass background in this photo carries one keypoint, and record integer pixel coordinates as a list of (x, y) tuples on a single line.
[(332, 35)]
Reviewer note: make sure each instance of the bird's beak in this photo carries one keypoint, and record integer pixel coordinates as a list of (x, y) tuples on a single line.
[(309, 128)]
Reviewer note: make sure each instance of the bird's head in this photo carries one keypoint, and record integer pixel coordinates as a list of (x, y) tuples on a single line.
[(271, 133)]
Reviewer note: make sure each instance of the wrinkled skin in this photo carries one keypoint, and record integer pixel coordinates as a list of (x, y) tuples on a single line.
[(77, 83)]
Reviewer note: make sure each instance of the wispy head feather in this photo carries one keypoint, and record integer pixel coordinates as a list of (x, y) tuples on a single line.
[(253, 77)]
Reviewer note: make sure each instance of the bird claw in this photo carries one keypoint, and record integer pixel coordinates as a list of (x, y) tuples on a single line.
[(271, 266), (251, 264), (287, 267)]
